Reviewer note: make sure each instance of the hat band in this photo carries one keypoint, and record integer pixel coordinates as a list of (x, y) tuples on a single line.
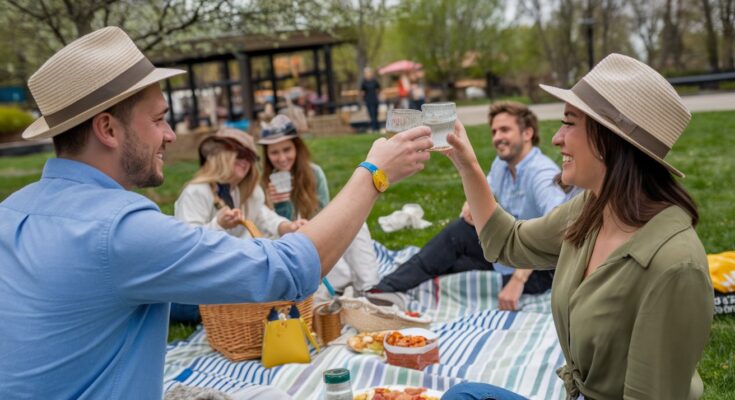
[(600, 105), (118, 85)]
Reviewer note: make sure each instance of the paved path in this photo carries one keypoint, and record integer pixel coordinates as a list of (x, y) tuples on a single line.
[(477, 115)]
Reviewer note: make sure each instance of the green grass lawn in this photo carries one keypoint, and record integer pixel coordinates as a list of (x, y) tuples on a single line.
[(703, 153)]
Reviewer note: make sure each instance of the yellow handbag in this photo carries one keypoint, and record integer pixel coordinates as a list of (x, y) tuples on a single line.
[(283, 342)]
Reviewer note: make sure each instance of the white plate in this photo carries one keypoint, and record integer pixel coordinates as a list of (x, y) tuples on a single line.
[(429, 392)]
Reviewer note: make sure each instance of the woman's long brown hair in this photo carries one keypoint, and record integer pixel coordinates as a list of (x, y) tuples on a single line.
[(636, 187), (303, 194)]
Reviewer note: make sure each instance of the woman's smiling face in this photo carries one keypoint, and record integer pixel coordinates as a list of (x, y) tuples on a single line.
[(581, 165), (282, 155)]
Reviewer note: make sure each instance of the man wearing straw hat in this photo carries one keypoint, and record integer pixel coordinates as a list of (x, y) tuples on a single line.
[(89, 267)]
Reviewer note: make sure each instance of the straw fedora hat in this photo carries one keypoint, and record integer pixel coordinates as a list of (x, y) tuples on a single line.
[(86, 77), (634, 101), (280, 128), (229, 139)]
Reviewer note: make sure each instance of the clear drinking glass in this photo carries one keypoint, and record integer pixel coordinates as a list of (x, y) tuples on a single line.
[(282, 181), (440, 118), (402, 119)]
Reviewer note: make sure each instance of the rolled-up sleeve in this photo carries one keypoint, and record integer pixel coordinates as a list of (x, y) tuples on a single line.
[(155, 258), (526, 244)]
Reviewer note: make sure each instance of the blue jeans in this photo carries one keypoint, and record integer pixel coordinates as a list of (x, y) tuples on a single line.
[(479, 391), (186, 313)]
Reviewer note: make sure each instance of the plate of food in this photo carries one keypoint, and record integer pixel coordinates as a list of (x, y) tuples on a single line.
[(367, 342), (398, 392)]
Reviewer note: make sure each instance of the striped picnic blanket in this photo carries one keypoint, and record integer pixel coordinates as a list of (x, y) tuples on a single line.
[(515, 350)]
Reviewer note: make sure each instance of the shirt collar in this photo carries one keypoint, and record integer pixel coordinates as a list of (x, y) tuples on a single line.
[(654, 234), (524, 162), (76, 171)]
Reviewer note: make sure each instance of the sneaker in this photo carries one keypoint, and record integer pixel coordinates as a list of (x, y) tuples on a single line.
[(387, 299)]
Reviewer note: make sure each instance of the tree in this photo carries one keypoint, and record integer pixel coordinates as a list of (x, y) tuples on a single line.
[(37, 28), (727, 19), (366, 22), (556, 32), (647, 26), (711, 38), (440, 34)]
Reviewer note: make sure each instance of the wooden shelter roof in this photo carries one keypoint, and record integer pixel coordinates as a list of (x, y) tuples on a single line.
[(224, 47)]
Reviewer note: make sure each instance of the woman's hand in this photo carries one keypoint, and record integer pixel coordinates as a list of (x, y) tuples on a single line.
[(461, 153), (277, 197), (229, 218), (293, 226)]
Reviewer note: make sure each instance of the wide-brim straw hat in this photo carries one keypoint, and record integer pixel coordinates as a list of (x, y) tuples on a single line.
[(280, 128), (230, 139), (632, 100), (88, 76)]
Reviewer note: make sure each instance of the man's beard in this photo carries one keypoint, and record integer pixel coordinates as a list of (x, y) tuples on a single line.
[(137, 163), (513, 151)]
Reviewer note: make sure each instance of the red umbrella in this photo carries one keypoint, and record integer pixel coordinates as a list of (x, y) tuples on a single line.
[(399, 66)]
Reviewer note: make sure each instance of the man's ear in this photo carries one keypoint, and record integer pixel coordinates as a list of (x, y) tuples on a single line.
[(107, 129), (527, 134)]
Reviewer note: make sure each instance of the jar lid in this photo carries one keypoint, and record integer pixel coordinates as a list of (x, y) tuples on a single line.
[(337, 375)]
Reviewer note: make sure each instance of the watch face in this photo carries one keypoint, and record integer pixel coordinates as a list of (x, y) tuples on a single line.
[(380, 181)]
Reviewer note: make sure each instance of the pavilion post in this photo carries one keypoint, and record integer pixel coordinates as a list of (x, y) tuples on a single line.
[(194, 123), (331, 90)]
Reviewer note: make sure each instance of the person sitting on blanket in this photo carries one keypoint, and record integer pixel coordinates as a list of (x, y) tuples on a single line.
[(632, 299), (223, 193), (89, 266), (522, 178), (283, 150)]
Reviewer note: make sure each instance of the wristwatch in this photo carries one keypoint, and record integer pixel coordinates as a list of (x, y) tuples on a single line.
[(379, 179)]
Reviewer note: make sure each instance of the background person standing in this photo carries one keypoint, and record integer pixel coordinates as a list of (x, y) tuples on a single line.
[(370, 89)]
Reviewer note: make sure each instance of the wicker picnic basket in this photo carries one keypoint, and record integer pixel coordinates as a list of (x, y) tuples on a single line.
[(236, 330)]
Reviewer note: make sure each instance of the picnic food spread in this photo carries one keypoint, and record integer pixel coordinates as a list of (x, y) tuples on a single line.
[(367, 342), (412, 348), (398, 339), (398, 393)]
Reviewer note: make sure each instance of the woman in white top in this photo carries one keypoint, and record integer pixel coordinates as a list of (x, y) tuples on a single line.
[(224, 195)]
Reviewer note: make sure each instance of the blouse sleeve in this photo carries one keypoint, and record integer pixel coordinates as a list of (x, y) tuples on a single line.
[(195, 206), (322, 188), (527, 244), (669, 334)]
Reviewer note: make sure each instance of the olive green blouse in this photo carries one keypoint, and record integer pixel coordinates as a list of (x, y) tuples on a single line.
[(636, 327)]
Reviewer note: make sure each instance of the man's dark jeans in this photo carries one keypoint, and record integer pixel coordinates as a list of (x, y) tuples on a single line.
[(455, 249)]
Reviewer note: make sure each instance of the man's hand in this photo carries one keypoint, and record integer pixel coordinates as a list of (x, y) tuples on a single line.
[(466, 214), (403, 154), (277, 197), (511, 293), (229, 218), (509, 296)]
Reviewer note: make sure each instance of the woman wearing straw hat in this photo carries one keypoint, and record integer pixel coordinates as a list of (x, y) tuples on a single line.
[(285, 151), (223, 194), (631, 299)]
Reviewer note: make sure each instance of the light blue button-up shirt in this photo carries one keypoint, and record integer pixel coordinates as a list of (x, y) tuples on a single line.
[(531, 194), (87, 271)]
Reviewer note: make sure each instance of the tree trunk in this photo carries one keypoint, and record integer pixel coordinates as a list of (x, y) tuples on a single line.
[(727, 16), (711, 39)]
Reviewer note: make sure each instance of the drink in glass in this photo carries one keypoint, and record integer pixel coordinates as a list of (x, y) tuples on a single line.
[(440, 118), (402, 119)]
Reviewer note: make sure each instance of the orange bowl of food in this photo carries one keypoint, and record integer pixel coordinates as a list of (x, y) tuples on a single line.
[(412, 348)]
